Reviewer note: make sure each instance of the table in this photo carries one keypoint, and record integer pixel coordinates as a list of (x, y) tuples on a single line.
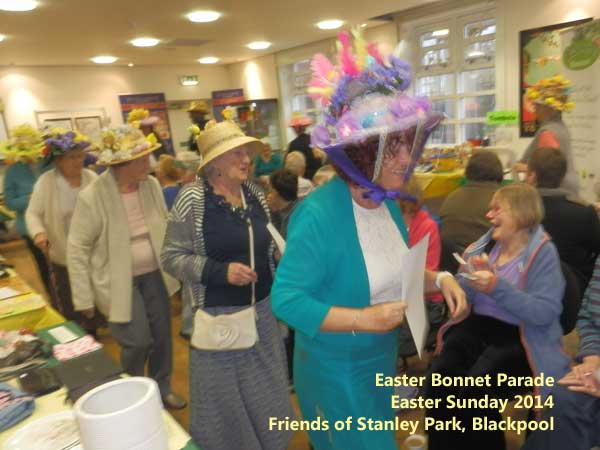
[(34, 319), (55, 402), (439, 184)]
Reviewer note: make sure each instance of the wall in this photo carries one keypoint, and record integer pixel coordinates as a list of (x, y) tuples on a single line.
[(515, 16), (28, 89)]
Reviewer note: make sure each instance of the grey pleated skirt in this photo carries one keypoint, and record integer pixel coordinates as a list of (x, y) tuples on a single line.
[(233, 393)]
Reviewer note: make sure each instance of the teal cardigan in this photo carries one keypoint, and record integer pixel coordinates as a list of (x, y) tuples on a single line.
[(323, 266), (18, 186)]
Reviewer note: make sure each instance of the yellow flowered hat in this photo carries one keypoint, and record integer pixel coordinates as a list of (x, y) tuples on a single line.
[(125, 143), (25, 144), (141, 116), (553, 92)]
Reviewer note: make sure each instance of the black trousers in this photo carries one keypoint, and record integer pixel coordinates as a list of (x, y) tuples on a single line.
[(41, 262), (477, 346)]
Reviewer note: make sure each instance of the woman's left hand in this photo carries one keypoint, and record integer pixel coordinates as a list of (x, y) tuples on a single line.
[(484, 281), (583, 377), (454, 295)]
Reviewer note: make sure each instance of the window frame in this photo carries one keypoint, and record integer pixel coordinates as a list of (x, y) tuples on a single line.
[(457, 65)]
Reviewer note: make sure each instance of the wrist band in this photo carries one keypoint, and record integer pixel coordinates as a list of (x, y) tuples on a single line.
[(439, 276), (355, 322)]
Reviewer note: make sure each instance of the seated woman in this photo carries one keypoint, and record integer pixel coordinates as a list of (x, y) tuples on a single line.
[(513, 328)]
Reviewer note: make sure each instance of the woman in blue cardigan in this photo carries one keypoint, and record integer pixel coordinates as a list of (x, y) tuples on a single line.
[(22, 152), (338, 282)]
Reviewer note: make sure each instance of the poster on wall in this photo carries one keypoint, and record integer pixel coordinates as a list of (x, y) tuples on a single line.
[(157, 105), (222, 99), (540, 54), (581, 65)]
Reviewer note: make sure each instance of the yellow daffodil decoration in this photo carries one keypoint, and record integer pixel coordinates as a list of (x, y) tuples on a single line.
[(25, 144), (553, 92), (136, 116)]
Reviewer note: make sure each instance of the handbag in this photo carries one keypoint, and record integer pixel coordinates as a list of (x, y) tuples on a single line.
[(236, 331)]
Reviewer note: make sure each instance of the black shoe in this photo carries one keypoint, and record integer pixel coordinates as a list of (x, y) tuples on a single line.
[(174, 401)]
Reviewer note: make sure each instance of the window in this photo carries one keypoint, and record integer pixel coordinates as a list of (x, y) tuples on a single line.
[(454, 66), (294, 79)]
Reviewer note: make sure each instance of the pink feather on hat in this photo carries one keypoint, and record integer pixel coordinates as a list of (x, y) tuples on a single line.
[(346, 58)]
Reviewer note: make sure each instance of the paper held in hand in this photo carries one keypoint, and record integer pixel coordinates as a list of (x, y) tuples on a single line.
[(413, 279), (279, 241)]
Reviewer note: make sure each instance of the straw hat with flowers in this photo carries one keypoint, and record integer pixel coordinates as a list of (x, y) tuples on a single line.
[(219, 138), (125, 143)]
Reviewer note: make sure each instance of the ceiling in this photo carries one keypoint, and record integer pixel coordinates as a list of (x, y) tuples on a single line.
[(70, 32)]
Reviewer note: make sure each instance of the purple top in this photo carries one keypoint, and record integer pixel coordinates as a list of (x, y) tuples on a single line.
[(485, 305)]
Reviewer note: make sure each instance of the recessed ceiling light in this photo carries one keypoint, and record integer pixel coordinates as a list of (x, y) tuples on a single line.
[(18, 5), (330, 24), (145, 42), (130, 65), (258, 45), (208, 60), (2, 37), (203, 16), (104, 59), (363, 25)]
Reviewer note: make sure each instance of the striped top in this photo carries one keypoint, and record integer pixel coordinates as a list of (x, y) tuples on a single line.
[(588, 322), (184, 254)]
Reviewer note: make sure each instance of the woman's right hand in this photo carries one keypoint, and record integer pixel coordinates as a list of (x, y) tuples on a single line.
[(41, 241), (384, 317), (240, 274)]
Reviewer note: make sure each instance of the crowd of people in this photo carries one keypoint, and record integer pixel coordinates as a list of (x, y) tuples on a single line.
[(326, 313)]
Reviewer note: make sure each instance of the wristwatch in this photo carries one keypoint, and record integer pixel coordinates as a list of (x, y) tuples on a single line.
[(439, 276)]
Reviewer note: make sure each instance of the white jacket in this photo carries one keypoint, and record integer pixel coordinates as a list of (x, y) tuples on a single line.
[(99, 249), (43, 213)]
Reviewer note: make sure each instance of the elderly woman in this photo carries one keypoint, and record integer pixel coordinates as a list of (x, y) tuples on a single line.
[(116, 234), (218, 245), (295, 162), (188, 162), (22, 154), (338, 282), (50, 210), (513, 328)]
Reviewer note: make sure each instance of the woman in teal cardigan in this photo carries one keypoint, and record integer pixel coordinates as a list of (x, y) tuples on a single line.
[(21, 152), (338, 281)]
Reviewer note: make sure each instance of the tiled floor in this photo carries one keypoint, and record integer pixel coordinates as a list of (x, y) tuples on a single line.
[(16, 253)]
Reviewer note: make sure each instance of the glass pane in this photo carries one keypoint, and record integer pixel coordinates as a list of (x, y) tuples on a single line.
[(477, 80), (445, 107), (436, 37), (435, 57), (302, 103), (481, 51), (480, 28), (477, 106), (302, 80), (473, 131), (302, 66), (436, 85), (444, 134)]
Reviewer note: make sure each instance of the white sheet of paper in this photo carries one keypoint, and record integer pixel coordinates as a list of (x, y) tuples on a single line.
[(62, 334), (413, 278), (7, 292), (277, 237)]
